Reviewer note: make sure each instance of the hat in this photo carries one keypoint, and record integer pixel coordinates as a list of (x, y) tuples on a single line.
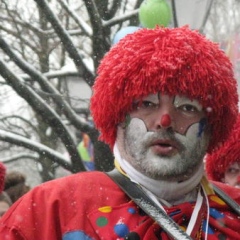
[(176, 61), (219, 160), (2, 176)]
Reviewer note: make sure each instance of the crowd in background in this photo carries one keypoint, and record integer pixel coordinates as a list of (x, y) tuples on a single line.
[(12, 187)]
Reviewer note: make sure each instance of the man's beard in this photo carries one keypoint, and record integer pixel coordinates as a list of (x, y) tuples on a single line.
[(181, 166)]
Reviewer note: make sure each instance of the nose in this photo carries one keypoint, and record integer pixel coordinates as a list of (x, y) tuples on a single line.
[(165, 121), (165, 112)]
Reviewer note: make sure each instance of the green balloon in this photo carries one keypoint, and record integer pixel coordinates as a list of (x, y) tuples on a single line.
[(154, 12)]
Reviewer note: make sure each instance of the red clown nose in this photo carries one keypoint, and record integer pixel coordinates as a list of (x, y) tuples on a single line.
[(165, 120)]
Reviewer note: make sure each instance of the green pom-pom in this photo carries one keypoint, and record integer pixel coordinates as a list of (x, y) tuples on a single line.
[(154, 12)]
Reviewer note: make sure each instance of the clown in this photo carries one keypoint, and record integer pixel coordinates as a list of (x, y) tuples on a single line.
[(165, 111), (163, 98)]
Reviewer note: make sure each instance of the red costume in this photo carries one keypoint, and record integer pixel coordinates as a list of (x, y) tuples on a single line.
[(93, 207)]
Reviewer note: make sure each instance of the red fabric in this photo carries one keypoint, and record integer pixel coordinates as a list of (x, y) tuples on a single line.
[(54, 208), (78, 205), (231, 191), (176, 61)]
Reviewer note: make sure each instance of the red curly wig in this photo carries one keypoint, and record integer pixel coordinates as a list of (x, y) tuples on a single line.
[(176, 61), (219, 160)]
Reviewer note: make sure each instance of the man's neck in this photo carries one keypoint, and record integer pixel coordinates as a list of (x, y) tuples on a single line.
[(166, 191)]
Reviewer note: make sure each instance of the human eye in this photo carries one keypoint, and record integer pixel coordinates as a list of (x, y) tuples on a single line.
[(188, 108), (144, 105), (187, 105), (148, 104), (233, 170)]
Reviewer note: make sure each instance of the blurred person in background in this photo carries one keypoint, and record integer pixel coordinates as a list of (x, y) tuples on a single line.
[(15, 185), (86, 152), (223, 164)]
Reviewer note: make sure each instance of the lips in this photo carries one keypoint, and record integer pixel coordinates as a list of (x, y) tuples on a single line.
[(165, 147)]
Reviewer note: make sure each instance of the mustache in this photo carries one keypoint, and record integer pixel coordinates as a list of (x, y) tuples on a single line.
[(167, 135)]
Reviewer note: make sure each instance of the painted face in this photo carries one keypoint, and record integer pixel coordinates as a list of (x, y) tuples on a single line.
[(232, 175), (166, 137)]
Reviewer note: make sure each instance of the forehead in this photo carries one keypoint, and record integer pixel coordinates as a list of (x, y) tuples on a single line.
[(174, 98), (235, 164)]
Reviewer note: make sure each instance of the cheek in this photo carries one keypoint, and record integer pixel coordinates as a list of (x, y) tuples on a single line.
[(192, 132), (183, 126), (136, 128), (135, 133), (229, 179)]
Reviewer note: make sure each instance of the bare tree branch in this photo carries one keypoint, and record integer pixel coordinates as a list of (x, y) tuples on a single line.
[(16, 34), (67, 42), (37, 147), (87, 30), (16, 157), (100, 43), (21, 118), (120, 19), (113, 10), (47, 86), (48, 114)]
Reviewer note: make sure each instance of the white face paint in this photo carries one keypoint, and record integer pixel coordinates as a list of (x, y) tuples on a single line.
[(173, 152)]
